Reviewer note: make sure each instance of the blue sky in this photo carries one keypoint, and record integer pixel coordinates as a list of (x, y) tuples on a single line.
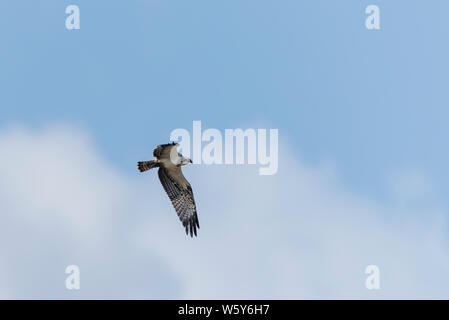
[(371, 103)]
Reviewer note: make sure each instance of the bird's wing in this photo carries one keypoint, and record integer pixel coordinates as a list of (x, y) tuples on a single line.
[(180, 193), (163, 151)]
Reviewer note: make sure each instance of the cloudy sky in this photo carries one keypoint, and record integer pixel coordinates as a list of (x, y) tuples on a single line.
[(362, 126)]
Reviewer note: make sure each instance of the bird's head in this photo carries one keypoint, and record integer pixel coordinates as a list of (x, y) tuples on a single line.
[(185, 160)]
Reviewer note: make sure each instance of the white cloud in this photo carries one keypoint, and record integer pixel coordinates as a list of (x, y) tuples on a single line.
[(298, 234)]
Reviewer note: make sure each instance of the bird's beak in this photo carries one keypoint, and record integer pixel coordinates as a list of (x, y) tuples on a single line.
[(190, 160)]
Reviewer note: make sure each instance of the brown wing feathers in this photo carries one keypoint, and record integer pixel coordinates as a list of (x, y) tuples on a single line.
[(182, 200), (161, 150)]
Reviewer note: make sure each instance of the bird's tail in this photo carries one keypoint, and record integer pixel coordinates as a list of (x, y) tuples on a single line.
[(147, 165)]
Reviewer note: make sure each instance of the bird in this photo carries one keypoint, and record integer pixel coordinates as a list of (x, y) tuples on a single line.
[(178, 189)]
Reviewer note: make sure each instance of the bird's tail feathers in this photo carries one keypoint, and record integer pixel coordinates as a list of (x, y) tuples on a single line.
[(147, 165)]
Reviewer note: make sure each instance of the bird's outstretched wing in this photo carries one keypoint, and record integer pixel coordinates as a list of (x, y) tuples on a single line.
[(165, 150), (180, 193)]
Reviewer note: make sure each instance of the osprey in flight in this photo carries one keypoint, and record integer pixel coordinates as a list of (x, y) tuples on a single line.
[(178, 189)]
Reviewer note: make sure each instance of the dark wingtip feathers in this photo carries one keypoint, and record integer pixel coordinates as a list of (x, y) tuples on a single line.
[(191, 226), (167, 144)]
